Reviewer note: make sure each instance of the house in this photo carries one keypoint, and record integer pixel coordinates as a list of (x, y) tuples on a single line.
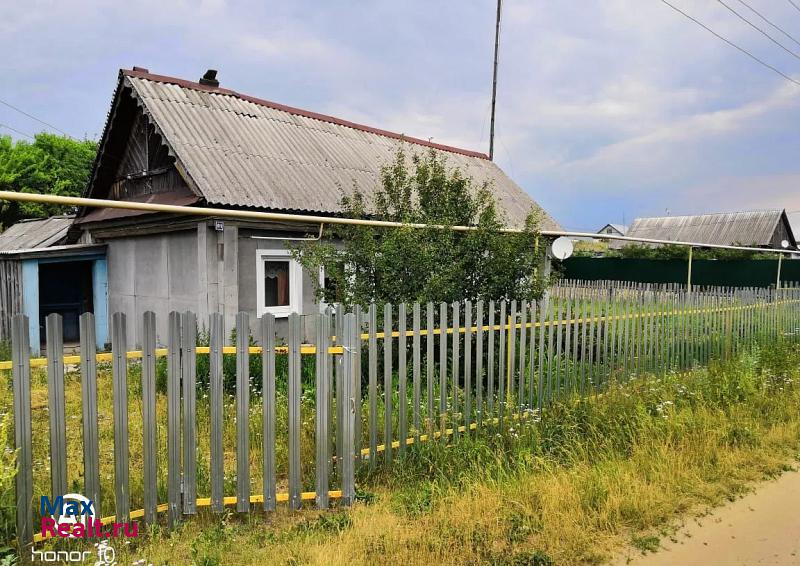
[(173, 141), (767, 229), (614, 230)]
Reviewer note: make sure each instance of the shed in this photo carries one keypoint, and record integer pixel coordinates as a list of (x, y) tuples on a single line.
[(40, 275)]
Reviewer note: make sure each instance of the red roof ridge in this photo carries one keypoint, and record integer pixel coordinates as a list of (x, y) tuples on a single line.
[(141, 74)]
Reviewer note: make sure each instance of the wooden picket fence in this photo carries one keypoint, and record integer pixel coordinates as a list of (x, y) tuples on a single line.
[(384, 378)]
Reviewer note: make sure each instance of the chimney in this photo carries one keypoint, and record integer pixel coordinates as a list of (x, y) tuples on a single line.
[(210, 78), (141, 69)]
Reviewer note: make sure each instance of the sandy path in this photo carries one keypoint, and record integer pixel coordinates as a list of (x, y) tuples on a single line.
[(761, 528)]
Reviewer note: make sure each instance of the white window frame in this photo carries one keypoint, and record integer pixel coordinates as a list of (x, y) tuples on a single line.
[(322, 304), (295, 283)]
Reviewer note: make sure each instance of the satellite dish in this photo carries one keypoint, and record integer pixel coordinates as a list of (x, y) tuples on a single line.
[(785, 244), (561, 248)]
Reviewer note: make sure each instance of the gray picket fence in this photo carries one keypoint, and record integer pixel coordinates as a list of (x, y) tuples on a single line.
[(378, 381)]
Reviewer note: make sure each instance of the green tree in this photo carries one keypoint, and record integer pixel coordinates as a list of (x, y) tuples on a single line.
[(51, 165), (364, 264)]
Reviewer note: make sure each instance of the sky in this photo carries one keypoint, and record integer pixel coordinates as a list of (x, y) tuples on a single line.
[(606, 110)]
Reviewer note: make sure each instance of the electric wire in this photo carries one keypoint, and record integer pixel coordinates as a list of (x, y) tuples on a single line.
[(768, 21), (32, 117), (20, 132), (732, 44), (759, 30)]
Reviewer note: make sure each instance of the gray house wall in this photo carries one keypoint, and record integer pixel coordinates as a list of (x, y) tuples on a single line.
[(247, 282), (198, 269), (153, 272)]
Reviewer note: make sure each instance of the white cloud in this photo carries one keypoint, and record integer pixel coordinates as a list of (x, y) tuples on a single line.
[(602, 106), (661, 148)]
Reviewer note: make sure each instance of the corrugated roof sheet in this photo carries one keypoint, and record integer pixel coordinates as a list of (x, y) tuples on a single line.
[(745, 228), (242, 151), (38, 233)]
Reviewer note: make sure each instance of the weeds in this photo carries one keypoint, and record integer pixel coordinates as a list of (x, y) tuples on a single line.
[(590, 476)]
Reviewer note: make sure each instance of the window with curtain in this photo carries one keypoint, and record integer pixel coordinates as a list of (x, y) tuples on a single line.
[(278, 283)]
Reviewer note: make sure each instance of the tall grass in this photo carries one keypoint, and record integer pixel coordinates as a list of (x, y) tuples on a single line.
[(568, 488)]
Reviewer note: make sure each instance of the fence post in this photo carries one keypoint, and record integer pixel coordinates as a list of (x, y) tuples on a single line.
[(467, 366), (333, 424), (387, 383), (479, 362), (119, 346), (268, 400), (216, 340), (359, 323), (415, 371), (91, 460), (243, 412), (322, 432), (189, 371), (442, 368), (173, 419), (351, 358), (294, 411), (402, 374), (56, 402), (21, 375), (456, 364), (490, 363), (149, 415), (373, 386), (429, 361)]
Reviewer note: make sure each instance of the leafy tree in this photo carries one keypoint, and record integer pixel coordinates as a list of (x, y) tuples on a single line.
[(364, 264), (51, 164)]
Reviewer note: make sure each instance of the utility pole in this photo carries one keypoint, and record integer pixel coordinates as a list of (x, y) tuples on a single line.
[(494, 78)]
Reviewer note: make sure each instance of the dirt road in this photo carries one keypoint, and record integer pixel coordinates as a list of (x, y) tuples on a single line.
[(761, 528)]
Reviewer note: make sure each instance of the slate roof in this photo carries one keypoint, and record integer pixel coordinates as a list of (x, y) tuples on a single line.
[(241, 151), (744, 228), (35, 233)]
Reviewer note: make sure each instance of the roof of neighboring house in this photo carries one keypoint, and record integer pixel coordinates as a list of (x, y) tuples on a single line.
[(35, 233), (621, 228), (237, 150), (744, 228)]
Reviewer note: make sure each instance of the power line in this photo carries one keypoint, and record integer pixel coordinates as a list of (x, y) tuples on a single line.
[(761, 31), (795, 5), (763, 17), (32, 117), (729, 42), (17, 131)]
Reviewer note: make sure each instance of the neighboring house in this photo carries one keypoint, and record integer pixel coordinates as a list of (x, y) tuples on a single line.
[(614, 230), (40, 275), (764, 229), (169, 140)]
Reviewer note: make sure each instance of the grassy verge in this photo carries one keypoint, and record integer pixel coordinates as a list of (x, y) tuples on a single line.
[(590, 477)]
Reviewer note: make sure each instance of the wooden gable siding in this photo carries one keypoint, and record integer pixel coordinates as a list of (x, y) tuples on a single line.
[(145, 167)]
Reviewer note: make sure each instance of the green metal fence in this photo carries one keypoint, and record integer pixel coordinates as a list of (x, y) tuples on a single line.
[(705, 272)]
